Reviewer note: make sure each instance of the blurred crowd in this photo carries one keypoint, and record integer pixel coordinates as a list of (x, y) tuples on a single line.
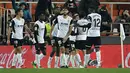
[(73, 8)]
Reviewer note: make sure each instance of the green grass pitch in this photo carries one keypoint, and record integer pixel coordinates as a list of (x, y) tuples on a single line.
[(91, 70)]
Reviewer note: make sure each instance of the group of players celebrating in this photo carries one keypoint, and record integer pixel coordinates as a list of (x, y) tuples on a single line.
[(68, 35)]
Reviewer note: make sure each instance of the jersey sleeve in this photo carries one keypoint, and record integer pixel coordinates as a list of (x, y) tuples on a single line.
[(71, 22), (12, 23), (89, 18), (36, 27), (36, 32), (24, 22), (55, 21)]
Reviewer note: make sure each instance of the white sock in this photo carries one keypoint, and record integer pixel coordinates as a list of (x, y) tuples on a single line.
[(84, 61), (64, 59), (72, 61), (41, 56), (56, 61), (78, 58), (61, 60), (87, 58), (14, 60), (77, 62), (38, 60), (35, 61), (19, 55), (49, 60), (67, 58), (98, 55)]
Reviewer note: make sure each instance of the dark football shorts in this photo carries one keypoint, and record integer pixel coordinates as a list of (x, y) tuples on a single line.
[(17, 42), (96, 41)]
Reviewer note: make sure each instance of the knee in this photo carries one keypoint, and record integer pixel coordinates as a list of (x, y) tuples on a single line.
[(63, 50), (97, 48), (88, 50), (37, 51), (18, 49), (67, 50), (43, 51)]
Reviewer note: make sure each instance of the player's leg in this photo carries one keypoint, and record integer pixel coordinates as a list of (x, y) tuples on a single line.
[(83, 48), (67, 54), (72, 58), (87, 55), (43, 54), (72, 54), (88, 51), (67, 51), (64, 54), (51, 57), (43, 50), (15, 58), (63, 60), (98, 53), (36, 61), (84, 53), (52, 53), (19, 54), (77, 56), (57, 52)]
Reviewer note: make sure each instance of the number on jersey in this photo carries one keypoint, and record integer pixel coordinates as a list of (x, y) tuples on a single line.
[(97, 22)]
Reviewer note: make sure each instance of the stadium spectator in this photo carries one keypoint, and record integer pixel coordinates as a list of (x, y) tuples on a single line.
[(3, 40), (106, 19), (125, 19), (26, 13), (85, 4), (71, 5), (43, 6)]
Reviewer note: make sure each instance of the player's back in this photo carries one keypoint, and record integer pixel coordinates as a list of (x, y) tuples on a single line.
[(95, 20), (82, 31)]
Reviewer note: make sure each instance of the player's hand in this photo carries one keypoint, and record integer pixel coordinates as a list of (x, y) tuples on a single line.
[(8, 42)]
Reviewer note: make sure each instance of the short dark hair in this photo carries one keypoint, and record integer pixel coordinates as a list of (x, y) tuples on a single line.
[(41, 13), (82, 14), (91, 10), (17, 10)]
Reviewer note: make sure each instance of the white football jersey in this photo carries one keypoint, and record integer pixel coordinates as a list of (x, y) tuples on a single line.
[(41, 31), (17, 26), (95, 20), (82, 31), (63, 25)]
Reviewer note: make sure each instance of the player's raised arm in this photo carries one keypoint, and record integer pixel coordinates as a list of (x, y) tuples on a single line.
[(52, 27), (14, 4)]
